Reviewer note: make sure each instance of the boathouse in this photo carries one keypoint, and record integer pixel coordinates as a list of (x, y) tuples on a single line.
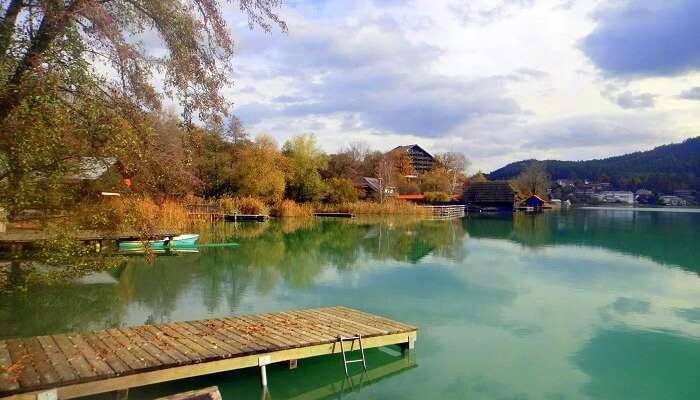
[(493, 196), (534, 201)]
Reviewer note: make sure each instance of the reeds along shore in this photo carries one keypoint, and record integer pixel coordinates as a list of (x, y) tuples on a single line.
[(143, 213)]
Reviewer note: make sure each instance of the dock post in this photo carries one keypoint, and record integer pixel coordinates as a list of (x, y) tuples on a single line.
[(263, 376), (16, 250), (409, 345), (262, 362), (121, 394)]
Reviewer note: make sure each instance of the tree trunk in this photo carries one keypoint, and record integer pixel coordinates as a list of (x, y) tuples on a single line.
[(7, 26), (53, 24)]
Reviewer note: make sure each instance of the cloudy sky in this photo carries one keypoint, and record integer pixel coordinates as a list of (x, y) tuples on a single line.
[(500, 80)]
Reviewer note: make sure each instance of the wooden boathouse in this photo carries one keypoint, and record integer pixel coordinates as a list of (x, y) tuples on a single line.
[(71, 365)]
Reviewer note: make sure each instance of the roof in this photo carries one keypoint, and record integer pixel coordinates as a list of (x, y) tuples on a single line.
[(490, 192), (412, 197), (91, 168), (537, 197), (372, 183), (410, 146)]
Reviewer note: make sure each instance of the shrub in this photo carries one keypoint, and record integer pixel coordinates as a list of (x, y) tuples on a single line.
[(252, 205), (435, 180), (228, 205), (290, 208), (437, 197), (389, 207), (243, 205), (406, 186)]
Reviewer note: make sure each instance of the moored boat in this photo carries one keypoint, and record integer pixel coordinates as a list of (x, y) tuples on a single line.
[(180, 241)]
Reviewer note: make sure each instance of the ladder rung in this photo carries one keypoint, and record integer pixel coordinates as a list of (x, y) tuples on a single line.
[(362, 350)]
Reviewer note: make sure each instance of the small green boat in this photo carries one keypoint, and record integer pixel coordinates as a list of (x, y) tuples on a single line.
[(180, 241)]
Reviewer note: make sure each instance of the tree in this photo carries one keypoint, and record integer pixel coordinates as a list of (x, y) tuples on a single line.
[(455, 164), (533, 179), (38, 38), (342, 165), (436, 180), (348, 163), (235, 132), (478, 177), (402, 163), (212, 161), (370, 163), (259, 170), (306, 160), (386, 174), (340, 190)]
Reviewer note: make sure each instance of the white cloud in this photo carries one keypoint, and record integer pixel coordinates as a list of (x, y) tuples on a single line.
[(500, 80)]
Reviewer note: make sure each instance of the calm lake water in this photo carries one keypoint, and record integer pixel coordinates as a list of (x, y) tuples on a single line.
[(585, 304)]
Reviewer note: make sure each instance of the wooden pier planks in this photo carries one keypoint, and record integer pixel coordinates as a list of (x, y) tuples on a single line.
[(93, 362), (31, 236)]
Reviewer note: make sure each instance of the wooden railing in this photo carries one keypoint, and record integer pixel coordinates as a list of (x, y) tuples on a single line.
[(447, 211), (213, 212)]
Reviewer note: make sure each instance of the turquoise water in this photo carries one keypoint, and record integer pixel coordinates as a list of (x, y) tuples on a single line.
[(586, 304)]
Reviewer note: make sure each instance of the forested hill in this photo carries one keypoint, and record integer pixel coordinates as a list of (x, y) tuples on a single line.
[(663, 169)]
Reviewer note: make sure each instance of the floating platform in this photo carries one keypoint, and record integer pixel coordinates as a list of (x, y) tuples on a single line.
[(244, 217), (86, 363), (334, 214)]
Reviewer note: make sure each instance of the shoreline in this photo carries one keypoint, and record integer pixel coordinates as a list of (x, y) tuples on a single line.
[(643, 209)]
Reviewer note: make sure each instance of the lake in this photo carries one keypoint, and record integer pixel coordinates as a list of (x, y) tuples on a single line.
[(580, 304)]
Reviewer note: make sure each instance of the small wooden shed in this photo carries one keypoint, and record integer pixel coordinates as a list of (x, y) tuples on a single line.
[(534, 201)]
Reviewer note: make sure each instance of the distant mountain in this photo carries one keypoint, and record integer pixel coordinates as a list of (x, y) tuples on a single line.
[(663, 169)]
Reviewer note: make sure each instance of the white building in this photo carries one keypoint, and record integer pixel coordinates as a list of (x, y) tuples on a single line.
[(617, 196), (672, 201)]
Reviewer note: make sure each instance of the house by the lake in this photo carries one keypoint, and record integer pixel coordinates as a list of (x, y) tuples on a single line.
[(535, 202), (617, 196), (496, 196), (421, 160), (674, 201), (99, 176), (371, 188)]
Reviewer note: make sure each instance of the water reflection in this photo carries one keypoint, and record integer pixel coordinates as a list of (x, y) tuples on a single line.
[(327, 382), (575, 305), (667, 238), (293, 253)]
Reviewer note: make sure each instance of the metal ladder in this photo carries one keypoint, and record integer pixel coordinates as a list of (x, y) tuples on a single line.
[(352, 339)]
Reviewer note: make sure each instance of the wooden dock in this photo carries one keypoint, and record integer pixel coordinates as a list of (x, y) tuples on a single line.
[(213, 212), (31, 236), (81, 364), (16, 241)]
